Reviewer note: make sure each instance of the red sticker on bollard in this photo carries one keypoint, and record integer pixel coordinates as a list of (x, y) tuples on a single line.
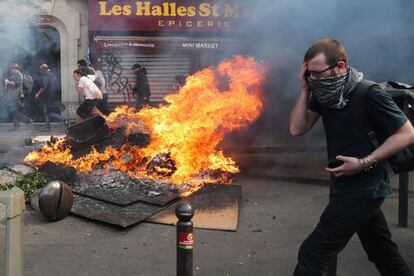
[(186, 240)]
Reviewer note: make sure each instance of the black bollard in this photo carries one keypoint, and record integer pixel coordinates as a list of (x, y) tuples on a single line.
[(185, 239)]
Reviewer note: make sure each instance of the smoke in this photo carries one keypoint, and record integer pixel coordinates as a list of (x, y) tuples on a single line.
[(378, 36), (379, 39), (22, 12), (16, 16)]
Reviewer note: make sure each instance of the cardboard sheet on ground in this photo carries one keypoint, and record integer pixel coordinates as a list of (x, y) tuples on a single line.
[(113, 214), (216, 207)]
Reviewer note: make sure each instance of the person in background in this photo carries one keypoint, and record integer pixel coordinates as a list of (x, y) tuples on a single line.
[(101, 83), (179, 82), (48, 96), (14, 95), (27, 87), (83, 65), (359, 181), (91, 93), (141, 88)]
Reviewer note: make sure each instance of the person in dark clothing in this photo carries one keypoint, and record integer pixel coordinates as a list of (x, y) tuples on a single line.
[(14, 94), (141, 88), (48, 96), (27, 87), (179, 82), (359, 181)]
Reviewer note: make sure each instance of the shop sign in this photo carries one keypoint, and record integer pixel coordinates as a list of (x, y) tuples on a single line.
[(158, 15)]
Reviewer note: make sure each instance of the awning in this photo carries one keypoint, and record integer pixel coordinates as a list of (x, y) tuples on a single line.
[(185, 43)]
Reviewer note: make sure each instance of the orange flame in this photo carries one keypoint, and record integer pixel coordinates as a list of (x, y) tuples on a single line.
[(212, 103)]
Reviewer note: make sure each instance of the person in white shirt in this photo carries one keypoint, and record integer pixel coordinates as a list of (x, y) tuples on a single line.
[(91, 93)]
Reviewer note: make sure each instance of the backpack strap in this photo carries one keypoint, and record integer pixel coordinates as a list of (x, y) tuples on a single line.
[(359, 100)]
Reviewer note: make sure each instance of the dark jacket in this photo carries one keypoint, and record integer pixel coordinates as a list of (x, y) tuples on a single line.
[(13, 92), (49, 83)]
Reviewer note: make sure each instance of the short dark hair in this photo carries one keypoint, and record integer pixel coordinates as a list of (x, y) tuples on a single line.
[(80, 72), (83, 63), (332, 49)]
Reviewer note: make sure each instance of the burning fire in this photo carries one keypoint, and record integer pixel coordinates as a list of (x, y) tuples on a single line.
[(185, 133)]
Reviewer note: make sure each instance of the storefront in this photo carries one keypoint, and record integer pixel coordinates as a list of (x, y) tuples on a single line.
[(167, 37)]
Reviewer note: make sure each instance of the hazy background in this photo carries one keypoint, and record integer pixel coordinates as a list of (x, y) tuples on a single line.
[(378, 35)]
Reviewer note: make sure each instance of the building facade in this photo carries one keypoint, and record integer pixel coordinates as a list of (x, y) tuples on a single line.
[(169, 38)]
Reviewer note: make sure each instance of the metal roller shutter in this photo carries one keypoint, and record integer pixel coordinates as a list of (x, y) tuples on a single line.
[(161, 70)]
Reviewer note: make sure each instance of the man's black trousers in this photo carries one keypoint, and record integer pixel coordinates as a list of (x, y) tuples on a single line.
[(342, 218)]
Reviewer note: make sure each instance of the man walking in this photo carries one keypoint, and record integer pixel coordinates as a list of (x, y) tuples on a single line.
[(359, 181), (27, 87), (48, 96), (13, 95)]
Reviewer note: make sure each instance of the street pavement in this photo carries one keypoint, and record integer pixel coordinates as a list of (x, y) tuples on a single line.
[(10, 139), (276, 215)]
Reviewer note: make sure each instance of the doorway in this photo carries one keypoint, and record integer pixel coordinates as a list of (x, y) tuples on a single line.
[(29, 46)]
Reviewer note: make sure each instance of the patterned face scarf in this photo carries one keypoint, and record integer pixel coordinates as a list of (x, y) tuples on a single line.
[(334, 92)]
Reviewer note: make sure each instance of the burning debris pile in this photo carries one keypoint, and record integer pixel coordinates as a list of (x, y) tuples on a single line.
[(176, 143)]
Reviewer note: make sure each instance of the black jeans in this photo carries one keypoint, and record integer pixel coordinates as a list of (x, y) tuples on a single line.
[(51, 115), (102, 105), (18, 117), (141, 102), (85, 108), (342, 218), (14, 105)]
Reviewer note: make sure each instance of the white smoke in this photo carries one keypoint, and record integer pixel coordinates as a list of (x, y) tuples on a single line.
[(20, 11)]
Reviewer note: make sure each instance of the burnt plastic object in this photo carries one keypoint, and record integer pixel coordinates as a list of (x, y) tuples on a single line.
[(162, 164), (28, 141), (87, 132), (139, 139), (55, 200)]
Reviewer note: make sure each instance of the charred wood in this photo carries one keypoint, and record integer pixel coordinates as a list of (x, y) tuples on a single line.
[(54, 171)]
